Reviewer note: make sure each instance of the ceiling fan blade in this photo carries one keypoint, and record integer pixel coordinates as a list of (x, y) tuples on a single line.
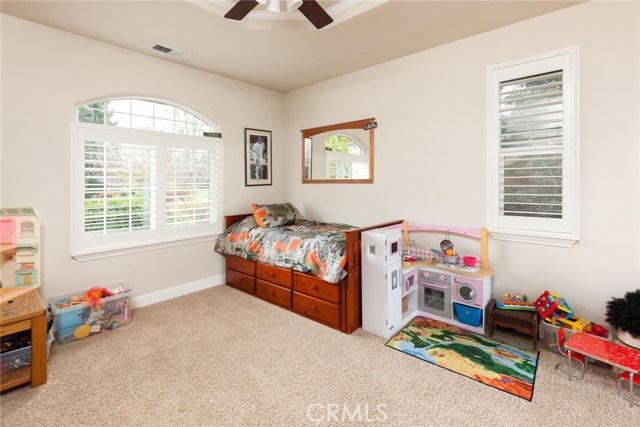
[(315, 13), (241, 9)]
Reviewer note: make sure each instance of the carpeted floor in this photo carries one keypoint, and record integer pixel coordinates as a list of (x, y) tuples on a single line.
[(222, 358)]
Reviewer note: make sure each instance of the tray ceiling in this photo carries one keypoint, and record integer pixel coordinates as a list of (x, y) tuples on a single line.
[(279, 54)]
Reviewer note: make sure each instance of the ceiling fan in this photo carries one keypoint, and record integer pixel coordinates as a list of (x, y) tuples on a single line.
[(309, 8)]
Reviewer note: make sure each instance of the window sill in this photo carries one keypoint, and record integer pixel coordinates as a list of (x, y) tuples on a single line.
[(538, 239), (111, 251)]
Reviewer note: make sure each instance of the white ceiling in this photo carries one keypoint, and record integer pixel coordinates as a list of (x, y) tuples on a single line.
[(289, 54)]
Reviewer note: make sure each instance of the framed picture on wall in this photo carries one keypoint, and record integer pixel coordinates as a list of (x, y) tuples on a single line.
[(257, 157)]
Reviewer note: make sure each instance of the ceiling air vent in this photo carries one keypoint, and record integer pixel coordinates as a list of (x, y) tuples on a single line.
[(170, 51)]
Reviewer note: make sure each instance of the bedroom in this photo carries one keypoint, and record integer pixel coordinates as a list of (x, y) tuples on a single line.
[(47, 73)]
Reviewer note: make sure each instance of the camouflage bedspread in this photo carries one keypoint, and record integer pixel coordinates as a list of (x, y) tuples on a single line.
[(308, 246)]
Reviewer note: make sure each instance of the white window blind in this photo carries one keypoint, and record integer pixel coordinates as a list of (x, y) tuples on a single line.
[(136, 189), (532, 142), (531, 145), (189, 196), (359, 170), (337, 168), (119, 187)]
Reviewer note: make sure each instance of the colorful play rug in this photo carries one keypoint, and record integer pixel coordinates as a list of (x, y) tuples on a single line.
[(505, 366)]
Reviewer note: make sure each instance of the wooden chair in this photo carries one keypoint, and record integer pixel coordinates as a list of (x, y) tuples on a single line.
[(581, 359)]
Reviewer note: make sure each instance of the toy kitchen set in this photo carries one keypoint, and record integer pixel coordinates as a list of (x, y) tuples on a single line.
[(401, 281)]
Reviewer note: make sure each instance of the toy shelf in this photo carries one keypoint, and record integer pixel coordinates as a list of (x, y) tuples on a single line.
[(20, 248)]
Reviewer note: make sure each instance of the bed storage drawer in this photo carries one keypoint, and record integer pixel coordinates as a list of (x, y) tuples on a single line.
[(274, 294), (241, 281), (316, 288), (272, 274), (317, 309), (240, 264)]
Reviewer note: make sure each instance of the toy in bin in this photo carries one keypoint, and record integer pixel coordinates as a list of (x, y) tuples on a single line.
[(98, 310)]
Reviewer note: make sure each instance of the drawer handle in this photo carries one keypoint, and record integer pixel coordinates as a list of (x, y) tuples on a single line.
[(314, 287), (239, 281), (313, 307), (269, 273), (272, 293)]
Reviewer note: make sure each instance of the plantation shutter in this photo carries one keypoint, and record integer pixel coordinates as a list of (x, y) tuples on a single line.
[(119, 187), (359, 170), (532, 135), (531, 146), (190, 197), (137, 188)]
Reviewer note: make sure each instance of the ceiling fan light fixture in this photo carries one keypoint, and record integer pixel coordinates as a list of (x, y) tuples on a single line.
[(273, 6), (293, 4), (309, 8)]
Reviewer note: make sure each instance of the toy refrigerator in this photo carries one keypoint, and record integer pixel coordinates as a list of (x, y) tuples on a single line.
[(382, 281)]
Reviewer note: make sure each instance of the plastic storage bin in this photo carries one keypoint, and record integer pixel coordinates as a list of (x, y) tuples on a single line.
[(20, 357), (468, 315), (82, 320)]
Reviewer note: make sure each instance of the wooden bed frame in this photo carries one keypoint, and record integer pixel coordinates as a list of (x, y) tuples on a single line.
[(334, 305)]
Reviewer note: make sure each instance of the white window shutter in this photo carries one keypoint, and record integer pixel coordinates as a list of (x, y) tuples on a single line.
[(119, 187), (157, 185), (532, 134), (189, 173)]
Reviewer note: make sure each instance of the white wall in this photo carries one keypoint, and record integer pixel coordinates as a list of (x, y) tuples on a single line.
[(430, 148), (46, 73)]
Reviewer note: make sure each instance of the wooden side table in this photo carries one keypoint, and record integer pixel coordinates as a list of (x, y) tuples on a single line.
[(19, 314), (519, 320)]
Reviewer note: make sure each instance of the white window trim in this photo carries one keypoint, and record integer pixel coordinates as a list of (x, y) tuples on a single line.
[(518, 230), (158, 241)]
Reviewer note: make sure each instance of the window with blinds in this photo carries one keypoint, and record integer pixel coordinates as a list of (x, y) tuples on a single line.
[(119, 187), (531, 146), (345, 158), (142, 187), (188, 193), (533, 149)]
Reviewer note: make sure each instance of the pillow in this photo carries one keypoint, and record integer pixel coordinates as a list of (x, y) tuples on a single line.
[(275, 215)]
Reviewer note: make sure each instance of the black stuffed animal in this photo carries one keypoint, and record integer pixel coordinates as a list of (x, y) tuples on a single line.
[(624, 313)]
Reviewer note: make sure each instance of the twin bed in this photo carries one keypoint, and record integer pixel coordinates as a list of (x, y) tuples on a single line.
[(308, 267)]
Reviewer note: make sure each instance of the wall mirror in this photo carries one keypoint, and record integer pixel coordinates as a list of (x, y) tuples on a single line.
[(338, 154)]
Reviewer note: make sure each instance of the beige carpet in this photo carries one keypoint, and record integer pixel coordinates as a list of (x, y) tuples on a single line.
[(222, 358)]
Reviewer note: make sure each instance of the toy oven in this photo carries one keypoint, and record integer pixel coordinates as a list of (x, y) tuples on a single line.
[(434, 293)]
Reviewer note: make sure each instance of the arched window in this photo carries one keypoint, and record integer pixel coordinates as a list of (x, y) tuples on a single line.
[(146, 173), (345, 158), (145, 114)]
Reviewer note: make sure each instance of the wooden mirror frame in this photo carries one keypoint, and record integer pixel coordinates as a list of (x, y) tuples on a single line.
[(356, 124)]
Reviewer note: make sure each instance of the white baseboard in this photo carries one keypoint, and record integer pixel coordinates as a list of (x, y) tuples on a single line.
[(176, 291)]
